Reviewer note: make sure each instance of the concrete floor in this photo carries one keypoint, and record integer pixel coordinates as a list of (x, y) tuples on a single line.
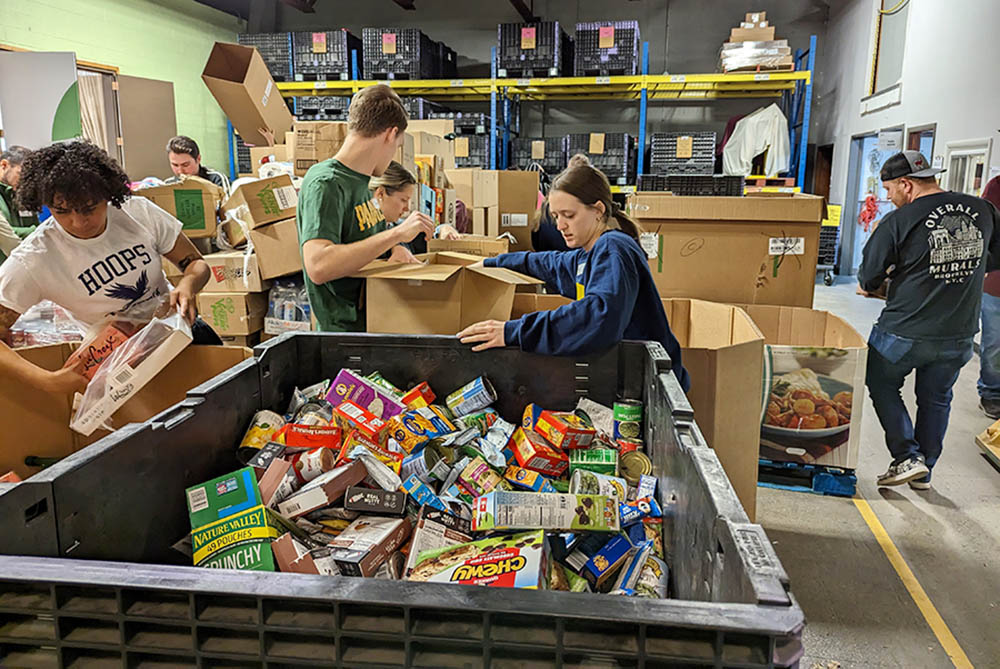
[(859, 614)]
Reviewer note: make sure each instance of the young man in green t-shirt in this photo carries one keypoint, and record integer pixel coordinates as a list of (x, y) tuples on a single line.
[(340, 228)]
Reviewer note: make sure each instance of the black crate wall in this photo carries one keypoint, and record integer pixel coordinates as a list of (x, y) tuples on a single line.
[(275, 49), (479, 151), (554, 160), (447, 62), (321, 107), (552, 55), (416, 55), (422, 108), (243, 165), (617, 161), (621, 58), (664, 158), (693, 184), (466, 123), (325, 56)]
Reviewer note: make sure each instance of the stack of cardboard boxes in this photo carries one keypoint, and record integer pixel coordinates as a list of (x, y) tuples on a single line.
[(500, 201), (752, 47)]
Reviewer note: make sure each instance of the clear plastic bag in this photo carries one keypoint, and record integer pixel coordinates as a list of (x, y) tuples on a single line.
[(118, 378), (43, 324)]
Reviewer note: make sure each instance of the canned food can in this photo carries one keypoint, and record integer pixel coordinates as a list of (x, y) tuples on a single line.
[(310, 464), (315, 412), (586, 482), (628, 445), (474, 396), (633, 466), (482, 420), (426, 464), (262, 429), (628, 419)]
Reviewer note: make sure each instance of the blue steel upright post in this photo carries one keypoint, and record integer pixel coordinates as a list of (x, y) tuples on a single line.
[(230, 131), (806, 104), (493, 108), (643, 103)]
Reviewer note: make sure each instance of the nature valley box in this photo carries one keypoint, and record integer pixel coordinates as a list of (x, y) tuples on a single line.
[(815, 376), (193, 201), (240, 541)]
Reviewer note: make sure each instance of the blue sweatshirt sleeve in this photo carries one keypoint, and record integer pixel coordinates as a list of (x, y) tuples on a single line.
[(594, 323), (556, 268)]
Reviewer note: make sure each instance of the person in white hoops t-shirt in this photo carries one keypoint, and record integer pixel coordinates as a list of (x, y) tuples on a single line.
[(98, 256)]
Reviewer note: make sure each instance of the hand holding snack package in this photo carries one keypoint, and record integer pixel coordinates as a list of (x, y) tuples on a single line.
[(131, 365)]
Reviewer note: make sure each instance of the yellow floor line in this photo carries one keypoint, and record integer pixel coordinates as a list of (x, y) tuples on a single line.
[(920, 598)]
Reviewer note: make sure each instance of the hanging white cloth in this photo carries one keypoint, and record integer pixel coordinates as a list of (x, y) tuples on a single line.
[(766, 128)]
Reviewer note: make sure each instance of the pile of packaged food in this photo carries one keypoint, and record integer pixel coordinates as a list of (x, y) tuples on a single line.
[(361, 478)]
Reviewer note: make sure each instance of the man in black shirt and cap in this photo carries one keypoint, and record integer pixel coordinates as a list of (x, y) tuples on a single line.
[(932, 253)]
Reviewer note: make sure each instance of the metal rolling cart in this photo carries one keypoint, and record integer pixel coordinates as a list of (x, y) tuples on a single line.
[(829, 243)]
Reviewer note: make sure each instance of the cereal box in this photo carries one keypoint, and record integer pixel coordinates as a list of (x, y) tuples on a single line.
[(349, 415), (415, 428), (532, 452), (564, 430), (503, 510), (348, 386)]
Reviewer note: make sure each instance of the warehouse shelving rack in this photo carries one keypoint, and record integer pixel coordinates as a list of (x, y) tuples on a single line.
[(794, 87)]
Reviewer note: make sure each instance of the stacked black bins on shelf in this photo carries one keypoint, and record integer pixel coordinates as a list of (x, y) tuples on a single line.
[(612, 153), (533, 50), (682, 153), (422, 108), (243, 165), (275, 49), (466, 123), (399, 53), (606, 48), (321, 107), (106, 588), (549, 152), (478, 154), (447, 62), (695, 184), (324, 56)]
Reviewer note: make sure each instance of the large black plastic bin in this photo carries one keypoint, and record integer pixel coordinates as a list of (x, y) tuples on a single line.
[(107, 516)]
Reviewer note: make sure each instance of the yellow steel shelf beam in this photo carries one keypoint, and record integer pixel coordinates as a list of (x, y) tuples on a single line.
[(659, 87)]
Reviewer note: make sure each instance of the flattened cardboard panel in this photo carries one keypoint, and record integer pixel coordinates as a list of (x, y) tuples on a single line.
[(148, 122)]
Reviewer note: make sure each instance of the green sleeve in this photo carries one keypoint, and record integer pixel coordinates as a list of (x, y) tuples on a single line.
[(321, 211), (23, 232)]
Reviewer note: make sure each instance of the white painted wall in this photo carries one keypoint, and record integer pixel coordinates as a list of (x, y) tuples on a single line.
[(949, 77)]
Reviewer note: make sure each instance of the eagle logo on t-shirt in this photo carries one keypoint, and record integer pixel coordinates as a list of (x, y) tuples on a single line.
[(129, 292)]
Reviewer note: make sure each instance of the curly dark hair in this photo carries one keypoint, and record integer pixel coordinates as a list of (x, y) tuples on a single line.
[(78, 172)]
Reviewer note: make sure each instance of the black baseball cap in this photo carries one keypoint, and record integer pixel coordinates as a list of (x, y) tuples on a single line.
[(908, 164)]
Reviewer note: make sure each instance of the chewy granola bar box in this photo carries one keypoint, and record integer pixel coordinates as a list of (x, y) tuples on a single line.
[(516, 561)]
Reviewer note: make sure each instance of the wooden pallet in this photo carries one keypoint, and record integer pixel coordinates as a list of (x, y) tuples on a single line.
[(989, 441), (817, 479)]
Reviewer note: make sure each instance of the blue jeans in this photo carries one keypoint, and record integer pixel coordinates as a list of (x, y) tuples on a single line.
[(890, 361), (989, 351)]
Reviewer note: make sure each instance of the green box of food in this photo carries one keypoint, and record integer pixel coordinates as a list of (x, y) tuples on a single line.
[(222, 497), (503, 510), (238, 541), (597, 460)]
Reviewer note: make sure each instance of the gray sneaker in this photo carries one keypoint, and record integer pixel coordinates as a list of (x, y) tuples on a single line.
[(921, 483), (905, 471)]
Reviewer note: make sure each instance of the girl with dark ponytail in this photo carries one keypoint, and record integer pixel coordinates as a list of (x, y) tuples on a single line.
[(605, 271)]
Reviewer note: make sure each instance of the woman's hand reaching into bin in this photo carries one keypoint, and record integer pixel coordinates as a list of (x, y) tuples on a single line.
[(486, 334)]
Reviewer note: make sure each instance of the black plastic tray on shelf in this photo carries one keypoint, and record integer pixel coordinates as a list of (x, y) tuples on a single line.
[(108, 587), (553, 161), (422, 108), (548, 54), (275, 49), (399, 53), (617, 159), (695, 184), (325, 55)]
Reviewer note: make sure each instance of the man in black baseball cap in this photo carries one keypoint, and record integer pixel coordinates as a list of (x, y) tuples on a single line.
[(933, 250)]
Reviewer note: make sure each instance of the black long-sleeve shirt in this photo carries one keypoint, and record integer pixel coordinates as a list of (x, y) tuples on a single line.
[(938, 247)]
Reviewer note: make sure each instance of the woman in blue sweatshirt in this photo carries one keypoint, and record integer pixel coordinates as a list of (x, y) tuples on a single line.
[(605, 271)]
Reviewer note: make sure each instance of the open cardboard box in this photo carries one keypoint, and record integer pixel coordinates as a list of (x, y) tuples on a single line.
[(825, 349), (441, 296), (723, 351), (739, 250), (37, 423), (193, 201), (239, 80), (259, 203), (477, 245)]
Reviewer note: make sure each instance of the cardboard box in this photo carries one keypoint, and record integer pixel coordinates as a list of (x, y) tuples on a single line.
[(233, 272), (723, 352), (242, 85), (486, 188), (517, 561), (813, 348), (241, 541), (316, 141), (277, 248), (428, 143), (259, 203), (193, 201), (450, 215), (442, 296), (241, 341), (516, 196), (324, 490), (462, 180), (292, 556), (755, 17), (437, 126), (279, 153), (348, 386), (739, 250), (367, 542), (405, 154), (233, 313), (504, 510), (751, 34), (486, 222), (434, 530), (125, 380), (476, 245), (433, 167)]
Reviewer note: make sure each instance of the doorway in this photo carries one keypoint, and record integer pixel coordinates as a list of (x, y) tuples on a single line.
[(866, 202), (921, 138), (99, 110)]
